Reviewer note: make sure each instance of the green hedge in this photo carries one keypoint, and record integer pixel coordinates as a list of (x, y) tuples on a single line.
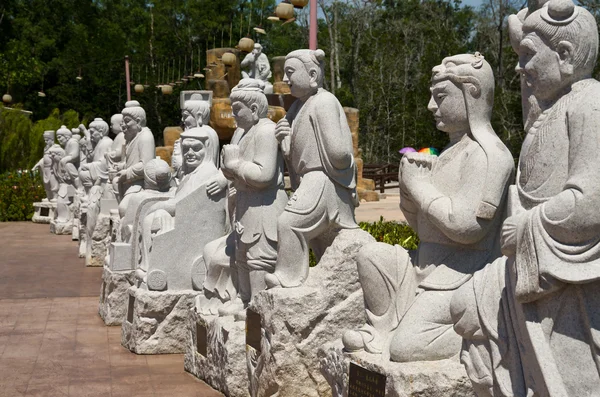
[(391, 233), (18, 191)]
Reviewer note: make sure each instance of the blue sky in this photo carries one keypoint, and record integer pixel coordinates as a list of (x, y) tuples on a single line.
[(473, 3)]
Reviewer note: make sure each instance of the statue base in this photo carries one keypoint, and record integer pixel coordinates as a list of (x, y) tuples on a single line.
[(98, 242), (113, 295), (216, 353), (61, 228), (295, 322), (416, 379), (43, 211), (156, 321), (83, 234)]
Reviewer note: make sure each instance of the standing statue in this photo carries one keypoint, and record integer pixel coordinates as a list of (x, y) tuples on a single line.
[(139, 149), (254, 165), (45, 166), (259, 67), (63, 216), (195, 113), (530, 320), (455, 203), (317, 145)]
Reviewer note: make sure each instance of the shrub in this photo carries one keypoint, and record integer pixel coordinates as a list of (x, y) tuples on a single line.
[(392, 233), (18, 191)]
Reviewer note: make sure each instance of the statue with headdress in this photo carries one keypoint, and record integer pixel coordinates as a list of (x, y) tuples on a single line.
[(530, 320), (455, 203), (45, 166), (258, 67)]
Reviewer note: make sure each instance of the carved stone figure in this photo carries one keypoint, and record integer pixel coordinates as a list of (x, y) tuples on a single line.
[(45, 166), (317, 145), (139, 149), (63, 216), (455, 203), (116, 153), (200, 147), (70, 143), (195, 113), (530, 319), (254, 165), (97, 144), (259, 67)]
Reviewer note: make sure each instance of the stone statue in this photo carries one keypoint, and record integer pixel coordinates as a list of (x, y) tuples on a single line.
[(63, 217), (70, 143), (139, 149), (97, 144), (254, 165), (455, 203), (195, 113), (45, 166), (115, 155), (259, 67), (530, 320), (317, 145), (200, 148)]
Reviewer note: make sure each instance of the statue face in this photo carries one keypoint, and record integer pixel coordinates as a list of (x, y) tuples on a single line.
[(448, 106), (130, 127), (95, 134), (188, 120), (115, 125), (193, 151), (540, 66), (62, 139), (244, 116), (301, 82), (49, 141)]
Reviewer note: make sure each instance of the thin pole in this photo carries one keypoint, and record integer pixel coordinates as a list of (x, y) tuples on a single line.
[(312, 42), (127, 77)]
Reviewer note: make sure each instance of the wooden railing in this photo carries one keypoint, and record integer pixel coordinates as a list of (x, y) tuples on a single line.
[(382, 174)]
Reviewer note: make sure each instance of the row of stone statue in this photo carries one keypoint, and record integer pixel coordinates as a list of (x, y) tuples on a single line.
[(506, 270)]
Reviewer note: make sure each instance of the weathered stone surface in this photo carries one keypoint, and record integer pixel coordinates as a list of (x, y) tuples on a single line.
[(99, 243), (442, 378), (296, 322), (43, 212), (113, 295), (224, 365), (156, 321)]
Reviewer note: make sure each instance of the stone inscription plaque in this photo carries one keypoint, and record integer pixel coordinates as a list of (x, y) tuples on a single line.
[(365, 383), (253, 329), (130, 309), (201, 338)]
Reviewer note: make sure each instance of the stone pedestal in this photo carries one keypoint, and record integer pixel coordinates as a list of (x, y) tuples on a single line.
[(83, 235), (216, 353), (156, 322), (443, 378), (61, 227), (43, 211), (98, 244), (296, 322), (113, 295)]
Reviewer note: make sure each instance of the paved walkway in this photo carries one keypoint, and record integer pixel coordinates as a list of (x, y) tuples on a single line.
[(388, 207), (52, 341)]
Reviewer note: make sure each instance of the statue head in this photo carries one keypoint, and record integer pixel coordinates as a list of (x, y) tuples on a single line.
[(134, 119), (304, 72), (199, 145), (98, 129), (558, 47), (462, 92), (157, 175), (56, 153), (249, 103), (115, 123), (195, 112), (257, 50), (48, 138), (63, 134), (86, 179)]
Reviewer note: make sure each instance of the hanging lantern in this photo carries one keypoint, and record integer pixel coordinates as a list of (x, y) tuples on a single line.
[(42, 94), (284, 10), (299, 3), (260, 30), (246, 44), (167, 89), (7, 98), (139, 88), (229, 59), (198, 75)]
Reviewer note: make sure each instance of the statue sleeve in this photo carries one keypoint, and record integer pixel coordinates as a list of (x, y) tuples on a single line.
[(334, 136), (260, 171)]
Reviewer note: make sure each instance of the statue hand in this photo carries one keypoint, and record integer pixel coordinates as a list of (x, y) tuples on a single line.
[(283, 133), (231, 157), (216, 185), (415, 169), (508, 236)]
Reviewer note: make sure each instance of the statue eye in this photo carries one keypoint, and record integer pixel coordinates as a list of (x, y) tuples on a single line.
[(441, 96)]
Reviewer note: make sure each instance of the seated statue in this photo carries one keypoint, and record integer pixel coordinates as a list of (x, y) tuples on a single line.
[(45, 166), (139, 149), (317, 146), (254, 165), (259, 67), (167, 248), (116, 153), (70, 161), (455, 203), (530, 320), (195, 113)]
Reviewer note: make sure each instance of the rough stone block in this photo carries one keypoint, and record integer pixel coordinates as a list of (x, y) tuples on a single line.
[(97, 246), (43, 212), (113, 295)]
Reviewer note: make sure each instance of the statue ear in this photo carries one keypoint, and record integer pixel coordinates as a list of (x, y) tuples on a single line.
[(314, 76), (254, 109), (566, 53)]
